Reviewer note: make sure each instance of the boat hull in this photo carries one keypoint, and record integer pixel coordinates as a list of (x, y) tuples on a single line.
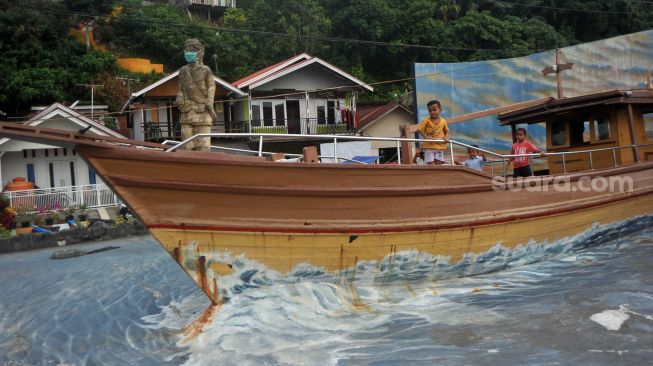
[(218, 217)]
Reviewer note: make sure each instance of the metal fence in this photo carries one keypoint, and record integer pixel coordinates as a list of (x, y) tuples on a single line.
[(60, 198)]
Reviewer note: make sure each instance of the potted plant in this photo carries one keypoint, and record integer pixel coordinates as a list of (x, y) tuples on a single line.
[(22, 215), (39, 220), (25, 226), (56, 217)]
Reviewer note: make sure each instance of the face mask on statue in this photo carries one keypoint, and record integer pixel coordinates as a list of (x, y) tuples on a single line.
[(190, 56)]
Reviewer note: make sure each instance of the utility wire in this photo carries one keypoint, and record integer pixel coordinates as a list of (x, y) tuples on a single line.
[(568, 9), (130, 18), (288, 94)]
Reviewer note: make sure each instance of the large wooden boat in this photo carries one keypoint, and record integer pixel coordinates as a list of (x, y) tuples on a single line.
[(214, 211)]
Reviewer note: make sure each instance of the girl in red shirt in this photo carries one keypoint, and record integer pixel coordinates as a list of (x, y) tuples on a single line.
[(522, 167)]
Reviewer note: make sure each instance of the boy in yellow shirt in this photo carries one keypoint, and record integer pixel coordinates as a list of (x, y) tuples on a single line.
[(434, 127)]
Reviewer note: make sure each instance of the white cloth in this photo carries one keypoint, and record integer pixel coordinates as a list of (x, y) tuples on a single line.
[(346, 150)]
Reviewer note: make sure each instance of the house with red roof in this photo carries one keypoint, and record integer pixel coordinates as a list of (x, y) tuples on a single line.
[(384, 120), (301, 95)]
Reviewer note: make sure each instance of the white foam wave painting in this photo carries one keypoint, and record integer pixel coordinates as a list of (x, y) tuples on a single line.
[(586, 299)]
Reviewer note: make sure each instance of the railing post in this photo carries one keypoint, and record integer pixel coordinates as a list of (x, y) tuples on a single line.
[(564, 164), (503, 163), (532, 165), (260, 146), (11, 199), (335, 150), (492, 167), (614, 156), (451, 152), (399, 152), (97, 194), (591, 162)]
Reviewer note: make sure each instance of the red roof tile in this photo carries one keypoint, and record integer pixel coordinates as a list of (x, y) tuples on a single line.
[(366, 114)]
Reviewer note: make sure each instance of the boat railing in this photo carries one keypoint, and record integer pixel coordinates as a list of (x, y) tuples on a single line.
[(503, 158), (589, 152)]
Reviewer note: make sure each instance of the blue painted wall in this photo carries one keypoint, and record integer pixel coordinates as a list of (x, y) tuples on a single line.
[(616, 63)]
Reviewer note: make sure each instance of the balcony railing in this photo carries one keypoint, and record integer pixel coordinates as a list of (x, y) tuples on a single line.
[(161, 131), (306, 126), (60, 198)]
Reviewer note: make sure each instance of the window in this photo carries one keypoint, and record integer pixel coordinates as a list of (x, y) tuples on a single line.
[(51, 169), (91, 176), (579, 133), (321, 115), (279, 114), (269, 113), (601, 129), (256, 115), (388, 154), (268, 120), (558, 133), (31, 176), (72, 173), (331, 112), (648, 125)]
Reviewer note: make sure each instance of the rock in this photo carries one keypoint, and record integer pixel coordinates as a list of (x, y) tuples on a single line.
[(97, 231), (68, 253)]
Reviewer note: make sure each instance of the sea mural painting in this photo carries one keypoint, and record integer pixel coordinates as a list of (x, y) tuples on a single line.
[(464, 87)]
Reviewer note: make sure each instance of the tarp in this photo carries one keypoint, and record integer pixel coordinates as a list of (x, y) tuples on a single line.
[(361, 159), (346, 150)]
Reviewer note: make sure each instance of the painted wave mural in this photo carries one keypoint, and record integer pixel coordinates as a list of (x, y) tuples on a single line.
[(616, 63)]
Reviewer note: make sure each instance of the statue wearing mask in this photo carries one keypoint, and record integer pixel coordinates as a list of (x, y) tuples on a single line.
[(195, 97)]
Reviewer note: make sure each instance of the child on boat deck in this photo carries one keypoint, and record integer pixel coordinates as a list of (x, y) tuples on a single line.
[(522, 167), (475, 160), (434, 127)]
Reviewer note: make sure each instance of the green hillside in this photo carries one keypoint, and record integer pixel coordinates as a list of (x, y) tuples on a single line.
[(375, 40)]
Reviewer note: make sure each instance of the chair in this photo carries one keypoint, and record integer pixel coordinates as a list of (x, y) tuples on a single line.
[(152, 132)]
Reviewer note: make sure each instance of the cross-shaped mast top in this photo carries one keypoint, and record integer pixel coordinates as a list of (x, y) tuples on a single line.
[(558, 68)]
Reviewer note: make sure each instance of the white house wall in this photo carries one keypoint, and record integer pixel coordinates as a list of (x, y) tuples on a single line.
[(309, 78), (14, 164), (388, 126)]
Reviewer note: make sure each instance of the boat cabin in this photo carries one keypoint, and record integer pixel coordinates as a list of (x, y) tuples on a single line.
[(606, 129)]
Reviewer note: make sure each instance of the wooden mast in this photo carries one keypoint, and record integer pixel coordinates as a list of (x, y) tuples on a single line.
[(558, 68)]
